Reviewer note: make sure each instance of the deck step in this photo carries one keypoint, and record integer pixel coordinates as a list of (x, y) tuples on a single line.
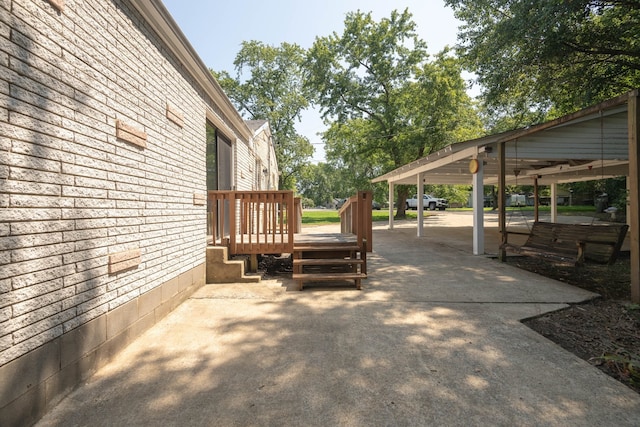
[(327, 248), (327, 261), (324, 276)]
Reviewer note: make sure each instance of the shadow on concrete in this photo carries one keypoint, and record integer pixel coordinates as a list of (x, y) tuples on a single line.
[(433, 339)]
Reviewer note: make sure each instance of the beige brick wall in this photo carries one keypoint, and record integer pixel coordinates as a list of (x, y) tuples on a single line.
[(73, 191)]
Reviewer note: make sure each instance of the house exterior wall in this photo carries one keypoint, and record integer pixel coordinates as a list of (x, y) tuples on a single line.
[(102, 190), (244, 167), (256, 164), (267, 166)]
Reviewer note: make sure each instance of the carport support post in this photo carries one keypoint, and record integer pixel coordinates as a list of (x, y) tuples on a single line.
[(391, 203), (420, 186), (633, 108), (536, 208), (478, 210), (502, 179), (554, 202)]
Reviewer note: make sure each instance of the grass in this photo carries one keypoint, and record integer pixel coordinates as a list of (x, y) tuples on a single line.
[(328, 216)]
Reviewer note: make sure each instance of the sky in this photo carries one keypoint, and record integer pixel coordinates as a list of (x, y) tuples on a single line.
[(216, 29)]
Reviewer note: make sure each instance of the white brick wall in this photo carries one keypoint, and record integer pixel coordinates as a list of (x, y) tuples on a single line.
[(244, 167), (71, 193), (264, 150)]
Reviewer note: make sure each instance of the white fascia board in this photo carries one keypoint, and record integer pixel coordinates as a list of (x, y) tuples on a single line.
[(432, 162)]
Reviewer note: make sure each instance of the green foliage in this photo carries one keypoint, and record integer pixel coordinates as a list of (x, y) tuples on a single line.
[(549, 57), (385, 103), (316, 182), (268, 85), (307, 203), (324, 182), (614, 189), (455, 194), (626, 363)]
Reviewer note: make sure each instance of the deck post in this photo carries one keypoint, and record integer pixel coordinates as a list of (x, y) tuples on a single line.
[(253, 263)]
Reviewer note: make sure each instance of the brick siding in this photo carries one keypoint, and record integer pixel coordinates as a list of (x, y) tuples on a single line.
[(76, 192)]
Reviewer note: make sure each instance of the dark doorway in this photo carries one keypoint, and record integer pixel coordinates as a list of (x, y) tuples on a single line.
[(219, 170)]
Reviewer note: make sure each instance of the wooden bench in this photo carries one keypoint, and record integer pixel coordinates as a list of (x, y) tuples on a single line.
[(571, 243)]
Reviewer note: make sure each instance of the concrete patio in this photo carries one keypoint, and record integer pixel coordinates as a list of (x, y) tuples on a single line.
[(434, 338)]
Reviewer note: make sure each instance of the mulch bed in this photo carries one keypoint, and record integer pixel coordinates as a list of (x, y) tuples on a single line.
[(605, 331)]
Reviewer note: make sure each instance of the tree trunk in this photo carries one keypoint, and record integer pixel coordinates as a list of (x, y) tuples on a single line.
[(403, 192)]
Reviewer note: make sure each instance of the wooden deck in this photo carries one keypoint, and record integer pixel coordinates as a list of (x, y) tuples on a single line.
[(270, 222)]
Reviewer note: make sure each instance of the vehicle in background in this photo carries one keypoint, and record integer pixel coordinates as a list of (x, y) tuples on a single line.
[(429, 202)]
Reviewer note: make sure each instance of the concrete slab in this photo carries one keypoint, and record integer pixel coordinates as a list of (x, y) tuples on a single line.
[(434, 338)]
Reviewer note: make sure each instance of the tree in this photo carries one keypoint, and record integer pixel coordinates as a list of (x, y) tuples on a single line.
[(550, 56), (455, 194), (269, 86), (316, 183), (385, 103), (347, 151)]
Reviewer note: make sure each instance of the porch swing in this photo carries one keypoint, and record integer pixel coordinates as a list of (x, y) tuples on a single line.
[(569, 244)]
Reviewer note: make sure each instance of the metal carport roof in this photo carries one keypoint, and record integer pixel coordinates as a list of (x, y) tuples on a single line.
[(590, 144)]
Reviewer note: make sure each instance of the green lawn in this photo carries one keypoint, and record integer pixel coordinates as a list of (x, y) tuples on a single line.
[(329, 216)]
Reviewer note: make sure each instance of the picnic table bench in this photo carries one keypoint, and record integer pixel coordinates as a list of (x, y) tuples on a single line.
[(571, 243)]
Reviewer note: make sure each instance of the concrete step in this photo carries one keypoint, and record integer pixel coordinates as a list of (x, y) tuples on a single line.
[(222, 270)]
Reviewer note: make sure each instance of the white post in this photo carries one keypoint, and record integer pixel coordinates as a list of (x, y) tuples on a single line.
[(478, 210), (420, 208), (554, 202), (391, 203)]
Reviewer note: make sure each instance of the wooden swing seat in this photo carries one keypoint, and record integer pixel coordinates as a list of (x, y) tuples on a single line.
[(571, 243)]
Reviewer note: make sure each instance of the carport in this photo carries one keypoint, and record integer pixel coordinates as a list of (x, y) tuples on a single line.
[(597, 142)]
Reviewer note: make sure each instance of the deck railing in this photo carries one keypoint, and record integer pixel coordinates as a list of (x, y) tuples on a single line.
[(264, 222), (355, 218), (253, 222)]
